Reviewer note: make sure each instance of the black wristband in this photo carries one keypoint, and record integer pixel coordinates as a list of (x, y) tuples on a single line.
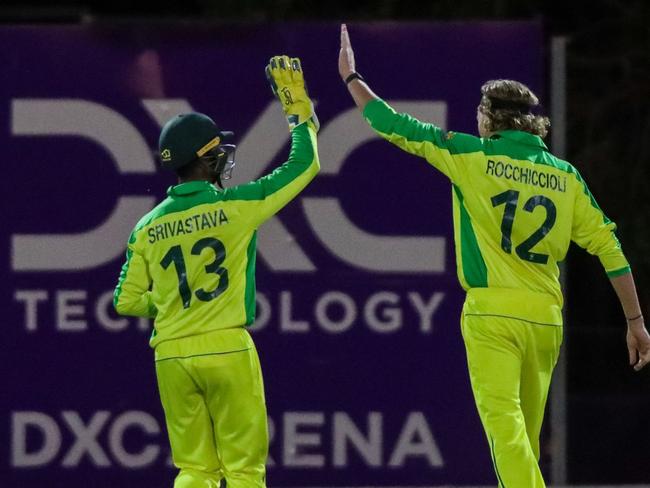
[(634, 318), (353, 76)]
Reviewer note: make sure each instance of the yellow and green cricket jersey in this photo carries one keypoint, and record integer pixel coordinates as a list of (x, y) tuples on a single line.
[(190, 262), (516, 209)]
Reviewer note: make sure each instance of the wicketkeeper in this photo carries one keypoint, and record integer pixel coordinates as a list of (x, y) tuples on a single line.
[(190, 265)]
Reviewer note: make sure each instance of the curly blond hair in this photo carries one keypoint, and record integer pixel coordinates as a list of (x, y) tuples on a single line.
[(506, 105)]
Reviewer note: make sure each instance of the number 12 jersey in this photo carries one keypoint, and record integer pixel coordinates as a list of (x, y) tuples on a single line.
[(516, 210)]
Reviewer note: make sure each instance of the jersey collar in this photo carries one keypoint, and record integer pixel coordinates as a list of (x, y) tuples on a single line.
[(189, 188), (522, 138)]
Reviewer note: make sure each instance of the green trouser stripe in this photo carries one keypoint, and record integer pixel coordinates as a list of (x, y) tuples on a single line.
[(494, 463), (249, 294), (619, 272), (125, 269), (474, 268)]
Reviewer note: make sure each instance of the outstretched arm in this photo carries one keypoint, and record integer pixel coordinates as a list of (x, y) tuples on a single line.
[(445, 151), (275, 190), (638, 340)]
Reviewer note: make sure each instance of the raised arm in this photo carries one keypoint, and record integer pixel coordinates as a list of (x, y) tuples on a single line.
[(443, 150), (273, 191)]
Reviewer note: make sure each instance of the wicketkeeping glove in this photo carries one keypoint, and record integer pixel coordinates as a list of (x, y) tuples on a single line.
[(285, 76)]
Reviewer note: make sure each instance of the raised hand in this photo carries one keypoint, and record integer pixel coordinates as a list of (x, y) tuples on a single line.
[(285, 76), (346, 54)]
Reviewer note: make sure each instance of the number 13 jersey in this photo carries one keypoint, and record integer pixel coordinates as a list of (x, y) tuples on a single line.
[(190, 262), (516, 209)]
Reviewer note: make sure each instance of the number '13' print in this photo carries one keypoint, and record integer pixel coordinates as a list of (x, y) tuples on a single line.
[(509, 199), (175, 256)]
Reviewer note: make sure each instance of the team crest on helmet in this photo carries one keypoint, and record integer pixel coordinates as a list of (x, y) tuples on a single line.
[(166, 155)]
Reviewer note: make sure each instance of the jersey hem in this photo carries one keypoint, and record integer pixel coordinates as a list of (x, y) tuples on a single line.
[(510, 317), (205, 354), (213, 342), (528, 305)]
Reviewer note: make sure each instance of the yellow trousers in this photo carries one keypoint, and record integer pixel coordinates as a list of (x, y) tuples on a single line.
[(510, 366), (216, 418)]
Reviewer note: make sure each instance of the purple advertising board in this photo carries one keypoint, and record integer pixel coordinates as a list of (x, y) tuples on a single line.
[(358, 304)]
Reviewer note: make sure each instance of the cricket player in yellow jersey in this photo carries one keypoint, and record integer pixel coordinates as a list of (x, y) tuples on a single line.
[(190, 265), (516, 209)]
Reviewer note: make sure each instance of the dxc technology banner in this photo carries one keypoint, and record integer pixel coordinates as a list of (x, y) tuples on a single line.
[(358, 304)]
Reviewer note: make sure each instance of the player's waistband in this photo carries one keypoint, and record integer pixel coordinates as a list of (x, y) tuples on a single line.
[(214, 342), (540, 308)]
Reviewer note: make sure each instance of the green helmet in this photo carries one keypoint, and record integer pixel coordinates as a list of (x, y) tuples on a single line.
[(187, 137)]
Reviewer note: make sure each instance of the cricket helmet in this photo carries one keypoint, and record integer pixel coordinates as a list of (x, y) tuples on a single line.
[(187, 137)]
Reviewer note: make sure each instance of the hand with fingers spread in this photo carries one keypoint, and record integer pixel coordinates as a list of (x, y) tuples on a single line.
[(287, 83), (638, 344)]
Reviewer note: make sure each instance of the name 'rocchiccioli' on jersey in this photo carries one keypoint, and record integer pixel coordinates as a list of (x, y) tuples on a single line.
[(527, 176)]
